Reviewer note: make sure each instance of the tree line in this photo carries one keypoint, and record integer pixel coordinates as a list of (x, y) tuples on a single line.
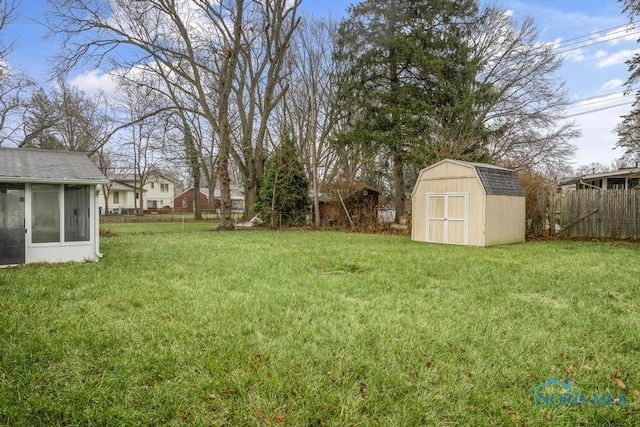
[(212, 89)]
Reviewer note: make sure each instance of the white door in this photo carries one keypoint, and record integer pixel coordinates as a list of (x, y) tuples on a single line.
[(447, 216)]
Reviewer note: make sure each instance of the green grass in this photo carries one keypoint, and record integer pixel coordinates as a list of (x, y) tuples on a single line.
[(176, 226), (295, 328)]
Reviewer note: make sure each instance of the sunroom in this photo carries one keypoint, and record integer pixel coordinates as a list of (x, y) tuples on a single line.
[(48, 206)]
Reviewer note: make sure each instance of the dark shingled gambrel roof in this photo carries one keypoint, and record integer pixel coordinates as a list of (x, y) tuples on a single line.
[(497, 180), (500, 181), (33, 165)]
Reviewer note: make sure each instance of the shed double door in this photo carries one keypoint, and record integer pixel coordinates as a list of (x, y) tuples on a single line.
[(447, 218)]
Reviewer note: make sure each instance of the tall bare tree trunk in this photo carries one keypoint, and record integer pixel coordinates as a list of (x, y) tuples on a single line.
[(398, 186)]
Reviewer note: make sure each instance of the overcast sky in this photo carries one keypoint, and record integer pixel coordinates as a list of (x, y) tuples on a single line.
[(590, 34)]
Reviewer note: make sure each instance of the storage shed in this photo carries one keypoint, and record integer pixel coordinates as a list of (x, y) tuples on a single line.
[(48, 206), (464, 203), (359, 200)]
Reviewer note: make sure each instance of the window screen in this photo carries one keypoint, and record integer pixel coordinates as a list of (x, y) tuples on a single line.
[(45, 213), (77, 213)]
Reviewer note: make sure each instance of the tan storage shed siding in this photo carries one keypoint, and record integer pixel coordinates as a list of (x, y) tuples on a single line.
[(491, 219), (505, 222)]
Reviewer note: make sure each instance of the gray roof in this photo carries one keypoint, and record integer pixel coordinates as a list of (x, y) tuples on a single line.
[(237, 192), (500, 181), (33, 165), (151, 174), (497, 180), (611, 174)]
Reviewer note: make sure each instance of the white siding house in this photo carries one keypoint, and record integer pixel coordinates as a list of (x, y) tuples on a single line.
[(158, 193)]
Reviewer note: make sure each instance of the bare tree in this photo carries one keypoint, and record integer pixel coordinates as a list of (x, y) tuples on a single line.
[(309, 102), (144, 145), (197, 44), (65, 119), (260, 85), (7, 13), (185, 144), (525, 116), (593, 167), (15, 85)]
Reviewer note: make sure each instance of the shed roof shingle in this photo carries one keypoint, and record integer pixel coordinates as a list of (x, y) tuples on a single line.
[(500, 181), (497, 180), (33, 165)]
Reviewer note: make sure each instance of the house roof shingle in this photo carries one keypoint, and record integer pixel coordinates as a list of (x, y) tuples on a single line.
[(33, 165), (237, 192)]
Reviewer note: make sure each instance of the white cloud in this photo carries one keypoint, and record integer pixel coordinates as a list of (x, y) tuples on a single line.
[(576, 55), (614, 84), (95, 82), (600, 54), (617, 58), (597, 118)]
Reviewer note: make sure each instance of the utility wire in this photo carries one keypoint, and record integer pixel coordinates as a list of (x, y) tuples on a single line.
[(608, 107), (596, 34), (590, 39), (561, 51), (600, 99)]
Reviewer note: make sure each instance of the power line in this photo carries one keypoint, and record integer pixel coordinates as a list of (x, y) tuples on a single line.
[(600, 99), (596, 34), (590, 39), (594, 43), (599, 109), (577, 101)]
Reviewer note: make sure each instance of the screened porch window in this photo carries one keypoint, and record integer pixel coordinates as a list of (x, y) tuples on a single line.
[(77, 213), (615, 184), (45, 213)]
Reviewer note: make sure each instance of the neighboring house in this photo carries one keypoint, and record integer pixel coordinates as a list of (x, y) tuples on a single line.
[(237, 198), (158, 193), (48, 206), (622, 179), (360, 201), (184, 202)]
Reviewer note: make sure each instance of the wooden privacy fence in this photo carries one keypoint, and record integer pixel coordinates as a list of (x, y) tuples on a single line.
[(612, 214)]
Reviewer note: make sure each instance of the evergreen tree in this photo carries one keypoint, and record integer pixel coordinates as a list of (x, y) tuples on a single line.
[(283, 196), (411, 81)]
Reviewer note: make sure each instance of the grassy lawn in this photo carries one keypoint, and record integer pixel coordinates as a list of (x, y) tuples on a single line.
[(176, 226), (320, 328)]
